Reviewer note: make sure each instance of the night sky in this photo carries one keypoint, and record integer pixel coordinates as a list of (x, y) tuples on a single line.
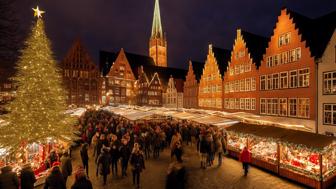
[(190, 25)]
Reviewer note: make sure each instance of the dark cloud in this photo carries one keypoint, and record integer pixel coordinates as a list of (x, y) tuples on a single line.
[(190, 24)]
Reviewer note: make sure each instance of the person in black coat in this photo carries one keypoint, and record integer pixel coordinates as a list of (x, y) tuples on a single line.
[(125, 153), (27, 177), (176, 175), (8, 178), (104, 164), (85, 157), (177, 152), (55, 180), (81, 180), (114, 151), (138, 164), (66, 166)]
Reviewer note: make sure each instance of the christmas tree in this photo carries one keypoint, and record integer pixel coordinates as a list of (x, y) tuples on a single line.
[(37, 112)]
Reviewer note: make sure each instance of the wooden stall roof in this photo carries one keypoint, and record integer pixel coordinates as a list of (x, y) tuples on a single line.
[(310, 140)]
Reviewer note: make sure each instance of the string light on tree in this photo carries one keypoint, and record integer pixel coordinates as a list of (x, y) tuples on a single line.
[(37, 112)]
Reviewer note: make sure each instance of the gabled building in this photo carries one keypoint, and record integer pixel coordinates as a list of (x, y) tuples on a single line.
[(211, 82), (142, 85), (119, 80), (191, 85), (166, 83), (241, 81), (326, 59), (288, 72), (81, 76)]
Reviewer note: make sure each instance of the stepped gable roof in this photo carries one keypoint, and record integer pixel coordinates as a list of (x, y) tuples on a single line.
[(136, 60), (165, 73), (106, 60), (78, 49), (256, 46), (198, 69), (222, 56), (316, 32)]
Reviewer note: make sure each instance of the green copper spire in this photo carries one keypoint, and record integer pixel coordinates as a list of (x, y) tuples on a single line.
[(157, 27)]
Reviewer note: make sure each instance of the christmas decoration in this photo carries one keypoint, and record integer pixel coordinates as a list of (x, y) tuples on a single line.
[(37, 113)]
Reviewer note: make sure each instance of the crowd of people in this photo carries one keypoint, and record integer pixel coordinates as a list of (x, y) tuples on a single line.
[(117, 143)]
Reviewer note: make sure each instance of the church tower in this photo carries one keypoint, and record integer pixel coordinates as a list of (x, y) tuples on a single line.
[(157, 41)]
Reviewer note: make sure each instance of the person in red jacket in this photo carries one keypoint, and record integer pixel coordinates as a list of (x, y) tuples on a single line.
[(245, 158)]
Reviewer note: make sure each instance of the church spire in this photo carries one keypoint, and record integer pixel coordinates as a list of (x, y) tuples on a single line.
[(157, 27)]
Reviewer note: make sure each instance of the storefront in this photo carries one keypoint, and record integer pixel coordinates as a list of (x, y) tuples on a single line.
[(301, 156)]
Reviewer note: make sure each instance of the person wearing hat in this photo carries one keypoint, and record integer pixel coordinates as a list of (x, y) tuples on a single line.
[(8, 178), (55, 179), (27, 177)]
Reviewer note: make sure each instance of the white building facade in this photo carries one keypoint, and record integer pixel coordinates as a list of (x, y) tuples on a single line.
[(327, 89), (172, 98)]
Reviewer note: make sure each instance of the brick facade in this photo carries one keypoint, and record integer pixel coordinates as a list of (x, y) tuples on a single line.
[(241, 81), (81, 76), (287, 73)]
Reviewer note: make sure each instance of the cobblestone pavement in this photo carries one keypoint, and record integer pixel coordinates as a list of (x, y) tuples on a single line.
[(228, 176)]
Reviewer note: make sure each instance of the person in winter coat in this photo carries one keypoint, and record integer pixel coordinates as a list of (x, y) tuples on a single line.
[(81, 180), (114, 151), (55, 180), (138, 164), (219, 149), (245, 158), (125, 153), (8, 178), (176, 138), (85, 157), (178, 151), (176, 175), (103, 164), (204, 149), (27, 177), (66, 166)]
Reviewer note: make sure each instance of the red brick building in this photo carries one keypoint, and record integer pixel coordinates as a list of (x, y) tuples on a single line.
[(210, 87), (288, 71), (81, 76), (191, 85), (241, 81)]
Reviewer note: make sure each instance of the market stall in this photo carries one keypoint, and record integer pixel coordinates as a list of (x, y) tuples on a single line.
[(301, 156)]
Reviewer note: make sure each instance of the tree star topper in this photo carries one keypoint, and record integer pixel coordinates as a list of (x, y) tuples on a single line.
[(37, 12)]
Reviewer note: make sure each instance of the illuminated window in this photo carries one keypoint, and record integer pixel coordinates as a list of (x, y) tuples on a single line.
[(283, 80), (276, 81), (284, 39), (247, 67), (241, 68), (293, 79), (237, 104), (253, 103), (253, 84), (247, 104), (269, 82), (329, 82), (242, 103), (236, 69), (263, 108), (242, 85), (283, 106), (236, 86), (248, 84), (303, 107), (303, 78), (292, 107), (263, 82), (329, 114)]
